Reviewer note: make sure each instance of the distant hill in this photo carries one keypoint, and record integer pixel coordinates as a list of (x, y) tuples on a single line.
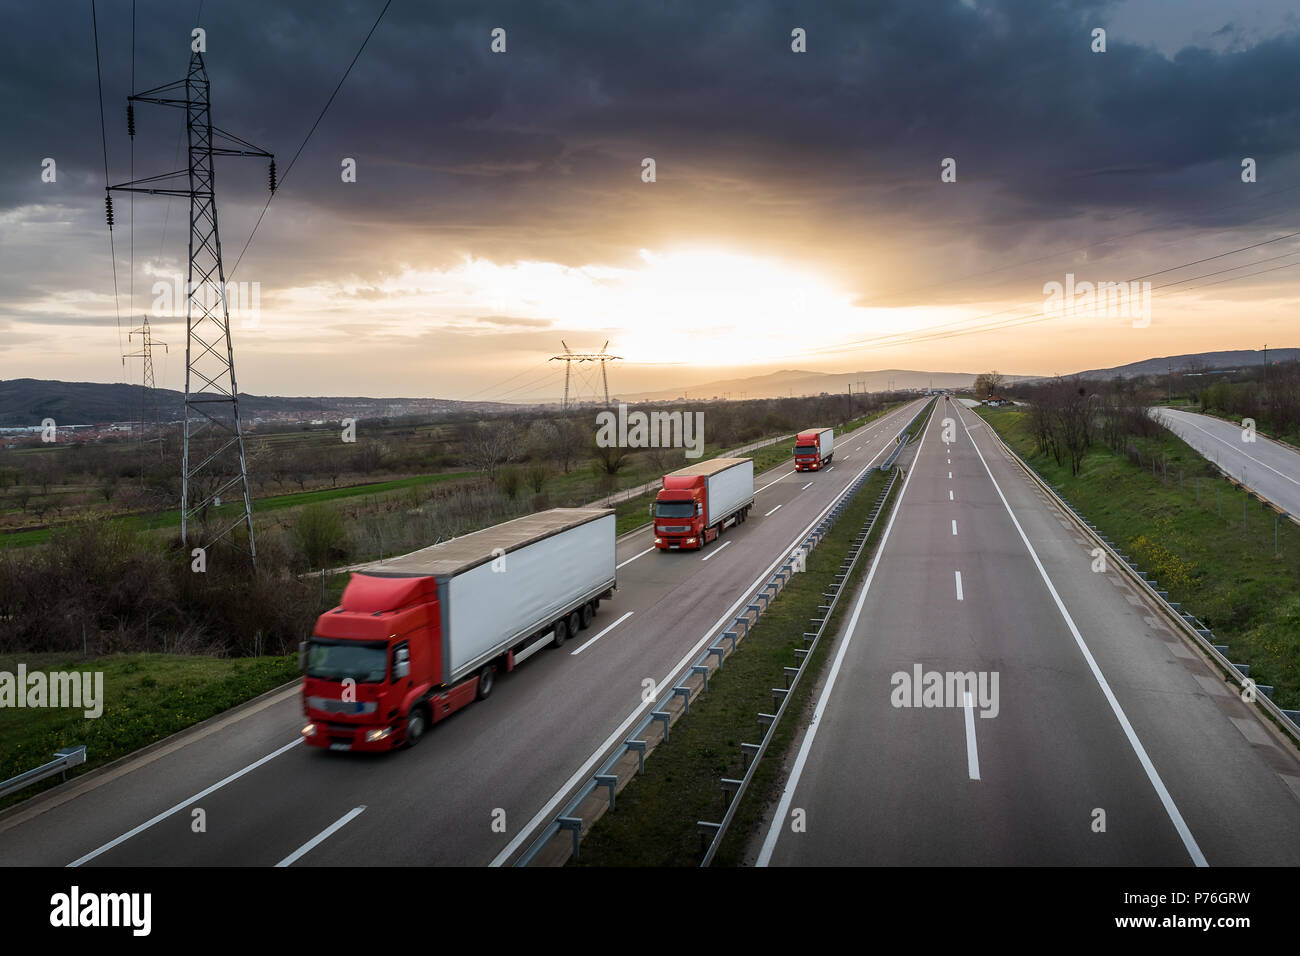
[(802, 382), (26, 401), (1194, 362)]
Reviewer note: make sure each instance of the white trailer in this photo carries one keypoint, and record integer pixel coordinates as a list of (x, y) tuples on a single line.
[(502, 586)]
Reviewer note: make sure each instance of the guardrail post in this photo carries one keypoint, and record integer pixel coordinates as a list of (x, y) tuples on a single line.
[(638, 747), (573, 825), (607, 780)]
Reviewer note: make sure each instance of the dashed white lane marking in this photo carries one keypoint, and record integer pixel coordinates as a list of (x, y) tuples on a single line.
[(321, 837), (773, 511), (633, 558), (954, 525), (579, 650), (806, 487), (972, 756), (716, 551), (959, 594)]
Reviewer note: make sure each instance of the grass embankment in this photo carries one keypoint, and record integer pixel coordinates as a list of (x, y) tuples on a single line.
[(654, 823), (146, 697), (1190, 537)]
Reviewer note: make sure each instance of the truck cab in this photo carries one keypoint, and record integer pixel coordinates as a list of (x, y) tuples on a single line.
[(813, 449), (371, 663), (679, 517)]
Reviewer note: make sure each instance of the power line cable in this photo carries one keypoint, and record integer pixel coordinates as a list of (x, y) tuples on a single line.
[(285, 175)]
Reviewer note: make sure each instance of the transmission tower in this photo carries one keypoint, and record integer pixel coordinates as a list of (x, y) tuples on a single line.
[(568, 357), (214, 465), (148, 399)]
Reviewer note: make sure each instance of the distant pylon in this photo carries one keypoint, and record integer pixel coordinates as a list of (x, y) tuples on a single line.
[(568, 357), (214, 464), (148, 397)]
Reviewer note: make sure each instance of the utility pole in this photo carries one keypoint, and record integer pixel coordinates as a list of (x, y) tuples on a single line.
[(148, 400), (214, 464), (568, 357)]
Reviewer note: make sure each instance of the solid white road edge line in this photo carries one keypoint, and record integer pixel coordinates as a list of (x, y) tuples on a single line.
[(321, 837), (579, 650), (582, 772), (181, 806), (787, 795), (1189, 841)]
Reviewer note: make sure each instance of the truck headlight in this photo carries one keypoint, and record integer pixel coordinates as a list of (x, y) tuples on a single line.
[(309, 730), (690, 540), (659, 540), (380, 734)]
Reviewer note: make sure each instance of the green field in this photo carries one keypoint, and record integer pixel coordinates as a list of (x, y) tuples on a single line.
[(146, 697), (1184, 525)]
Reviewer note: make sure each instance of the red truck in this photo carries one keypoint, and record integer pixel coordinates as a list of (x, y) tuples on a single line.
[(420, 636), (698, 501), (813, 449)]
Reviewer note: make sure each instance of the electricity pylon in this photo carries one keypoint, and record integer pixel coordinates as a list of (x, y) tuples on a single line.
[(148, 400), (568, 357), (214, 464)]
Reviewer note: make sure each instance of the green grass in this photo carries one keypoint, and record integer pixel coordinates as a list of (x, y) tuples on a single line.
[(146, 697), (1225, 575), (172, 519), (654, 823)]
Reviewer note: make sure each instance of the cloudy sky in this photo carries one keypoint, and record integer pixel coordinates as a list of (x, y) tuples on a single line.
[(798, 217)]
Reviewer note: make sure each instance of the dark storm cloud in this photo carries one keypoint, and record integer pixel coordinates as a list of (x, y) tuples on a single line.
[(536, 153)]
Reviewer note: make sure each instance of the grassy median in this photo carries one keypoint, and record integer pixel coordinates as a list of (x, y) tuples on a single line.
[(1184, 525)]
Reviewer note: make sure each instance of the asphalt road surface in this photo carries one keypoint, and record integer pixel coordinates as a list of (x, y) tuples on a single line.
[(267, 799), (1110, 741), (1262, 465)]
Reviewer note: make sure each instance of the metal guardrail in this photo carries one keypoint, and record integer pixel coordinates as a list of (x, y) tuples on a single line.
[(63, 761), (735, 789), (1192, 626), (634, 743)]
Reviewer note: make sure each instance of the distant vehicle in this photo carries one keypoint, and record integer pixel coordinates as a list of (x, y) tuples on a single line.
[(697, 502), (418, 637), (813, 449)]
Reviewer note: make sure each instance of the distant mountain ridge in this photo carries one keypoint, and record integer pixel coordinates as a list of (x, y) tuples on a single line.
[(802, 382), (26, 401), (1194, 361)]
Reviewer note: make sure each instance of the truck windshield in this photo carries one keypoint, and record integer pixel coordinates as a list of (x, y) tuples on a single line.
[(365, 663), (674, 509), (805, 449)]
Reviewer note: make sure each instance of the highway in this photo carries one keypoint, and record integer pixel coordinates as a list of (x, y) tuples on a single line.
[(1109, 740), (1264, 466), (479, 784)]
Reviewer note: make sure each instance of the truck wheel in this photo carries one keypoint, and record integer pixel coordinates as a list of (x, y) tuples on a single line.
[(486, 678), (588, 612), (575, 622), (415, 725), (561, 632)]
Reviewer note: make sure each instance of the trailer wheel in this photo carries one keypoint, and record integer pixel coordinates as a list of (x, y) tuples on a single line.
[(575, 622), (486, 678), (588, 612), (415, 725), (561, 632)]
